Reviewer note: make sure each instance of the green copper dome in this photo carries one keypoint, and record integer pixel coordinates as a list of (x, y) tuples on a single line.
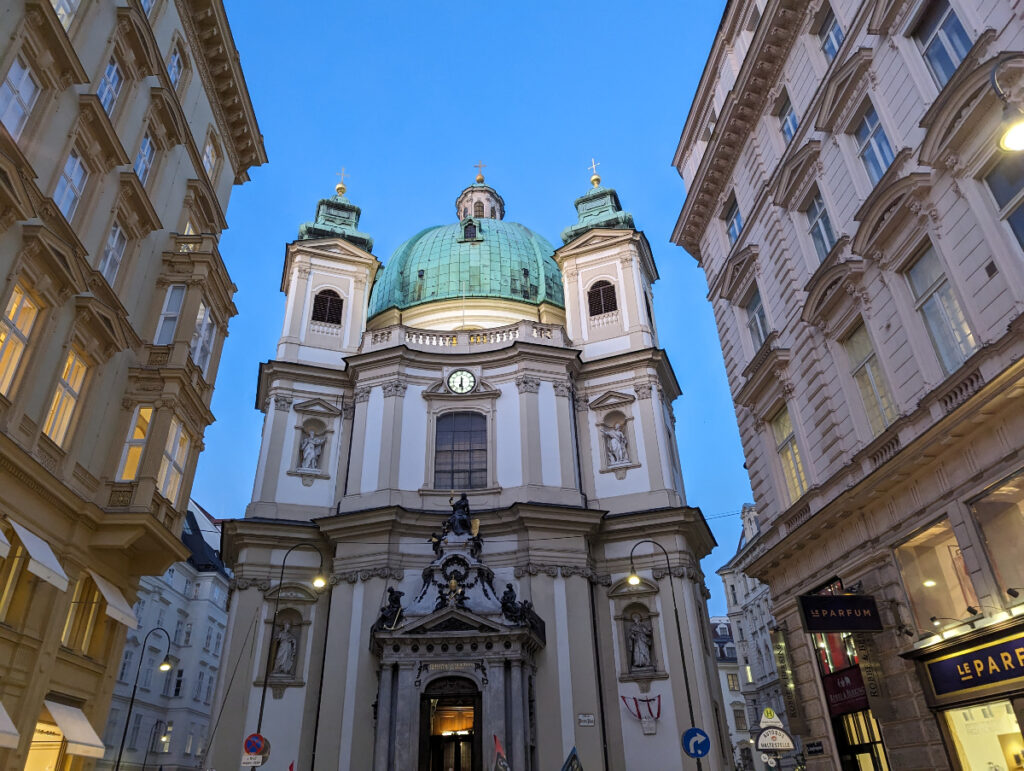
[(477, 257)]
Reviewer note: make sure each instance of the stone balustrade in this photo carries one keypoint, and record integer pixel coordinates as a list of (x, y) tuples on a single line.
[(463, 341)]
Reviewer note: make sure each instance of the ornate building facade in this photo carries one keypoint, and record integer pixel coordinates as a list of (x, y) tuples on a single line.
[(123, 128), (478, 360), (861, 232)]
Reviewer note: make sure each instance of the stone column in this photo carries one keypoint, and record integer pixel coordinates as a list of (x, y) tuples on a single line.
[(529, 415), (517, 720), (564, 414), (407, 718), (278, 418), (391, 434), (492, 704), (652, 447), (583, 434), (383, 738), (355, 466)]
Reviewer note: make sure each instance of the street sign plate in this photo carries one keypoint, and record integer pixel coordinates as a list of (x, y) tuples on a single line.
[(770, 718), (696, 743), (774, 739), (249, 760)]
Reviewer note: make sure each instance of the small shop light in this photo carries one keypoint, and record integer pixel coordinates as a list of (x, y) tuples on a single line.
[(929, 583)]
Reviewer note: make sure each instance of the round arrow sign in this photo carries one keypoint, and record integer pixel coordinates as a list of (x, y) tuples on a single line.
[(696, 743)]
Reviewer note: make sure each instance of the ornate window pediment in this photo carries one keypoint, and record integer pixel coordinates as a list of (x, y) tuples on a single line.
[(844, 90), (44, 25), (134, 46), (951, 123), (136, 210), (54, 268), (611, 400), (15, 198), (797, 176), (166, 120), (835, 295), (96, 134), (737, 278), (622, 589), (100, 330), (884, 15), (766, 378), (201, 201), (317, 408), (893, 219)]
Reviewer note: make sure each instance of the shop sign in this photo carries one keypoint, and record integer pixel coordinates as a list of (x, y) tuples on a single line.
[(871, 673), (794, 710), (996, 663), (774, 740), (845, 691), (840, 613), (814, 748)]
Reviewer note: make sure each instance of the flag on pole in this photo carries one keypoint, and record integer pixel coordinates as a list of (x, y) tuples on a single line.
[(500, 763), (572, 763)]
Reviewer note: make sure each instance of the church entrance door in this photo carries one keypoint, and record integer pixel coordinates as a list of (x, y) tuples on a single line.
[(450, 735)]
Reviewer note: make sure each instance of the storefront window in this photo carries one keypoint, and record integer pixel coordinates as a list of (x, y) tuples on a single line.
[(986, 736), (835, 651), (860, 742), (936, 578), (1000, 513)]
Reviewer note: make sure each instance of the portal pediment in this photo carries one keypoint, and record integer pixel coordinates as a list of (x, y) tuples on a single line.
[(843, 92), (610, 400), (452, 620), (317, 407)]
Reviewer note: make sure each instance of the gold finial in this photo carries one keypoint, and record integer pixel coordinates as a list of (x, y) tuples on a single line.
[(479, 166), (340, 187), (595, 180)]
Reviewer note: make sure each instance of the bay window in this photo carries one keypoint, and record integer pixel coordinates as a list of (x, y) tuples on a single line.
[(131, 456), (202, 338), (172, 464), (169, 315), (936, 578)]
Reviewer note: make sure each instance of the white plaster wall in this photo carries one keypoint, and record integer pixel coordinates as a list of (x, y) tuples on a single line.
[(321, 356), (371, 447), (550, 439), (412, 454), (510, 453), (261, 465)]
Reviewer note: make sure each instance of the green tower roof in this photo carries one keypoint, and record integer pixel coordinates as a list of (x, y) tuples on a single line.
[(598, 208), (337, 217), (502, 260)]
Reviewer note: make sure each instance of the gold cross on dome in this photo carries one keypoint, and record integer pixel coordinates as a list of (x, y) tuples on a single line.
[(593, 166), (340, 187), (480, 166)]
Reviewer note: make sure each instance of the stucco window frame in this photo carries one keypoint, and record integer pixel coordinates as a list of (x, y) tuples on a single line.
[(298, 601), (329, 416), (483, 400), (624, 595), (602, 407)]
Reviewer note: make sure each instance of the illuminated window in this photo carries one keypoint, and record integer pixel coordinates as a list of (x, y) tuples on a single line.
[(18, 95), (131, 457), (65, 398), (936, 578), (871, 382), (1000, 513), (15, 327), (734, 682), (789, 454), (85, 626), (172, 465)]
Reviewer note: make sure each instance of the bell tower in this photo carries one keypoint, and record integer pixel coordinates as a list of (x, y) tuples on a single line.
[(607, 271)]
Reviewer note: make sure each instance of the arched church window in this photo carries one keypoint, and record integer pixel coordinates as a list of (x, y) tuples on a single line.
[(469, 232), (478, 209), (601, 298), (327, 307), (460, 451), (494, 213)]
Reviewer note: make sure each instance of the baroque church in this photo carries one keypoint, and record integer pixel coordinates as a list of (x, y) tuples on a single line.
[(468, 524)]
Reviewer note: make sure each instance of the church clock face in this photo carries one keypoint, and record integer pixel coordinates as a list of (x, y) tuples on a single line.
[(461, 381)]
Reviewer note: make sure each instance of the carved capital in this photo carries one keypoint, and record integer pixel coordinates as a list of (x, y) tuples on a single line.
[(394, 388), (643, 390), (362, 394), (348, 410), (562, 387), (282, 402), (527, 384), (302, 271)]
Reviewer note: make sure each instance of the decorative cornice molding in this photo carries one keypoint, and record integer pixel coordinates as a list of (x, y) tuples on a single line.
[(565, 571)]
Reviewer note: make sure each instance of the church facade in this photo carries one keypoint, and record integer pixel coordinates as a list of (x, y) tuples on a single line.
[(474, 445)]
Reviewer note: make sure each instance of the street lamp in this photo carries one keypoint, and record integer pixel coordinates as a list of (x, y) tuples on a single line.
[(1011, 132), (165, 666), (633, 579), (319, 582)]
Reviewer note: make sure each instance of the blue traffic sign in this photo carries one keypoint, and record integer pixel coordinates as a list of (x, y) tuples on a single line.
[(696, 743)]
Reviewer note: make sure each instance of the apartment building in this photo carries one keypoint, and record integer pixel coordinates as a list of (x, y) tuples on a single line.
[(754, 631), (124, 127), (861, 232), (182, 619)]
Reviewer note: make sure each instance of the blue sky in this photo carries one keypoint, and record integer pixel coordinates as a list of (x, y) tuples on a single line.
[(407, 96)]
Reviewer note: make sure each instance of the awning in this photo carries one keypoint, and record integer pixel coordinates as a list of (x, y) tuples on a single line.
[(5, 546), (78, 732), (8, 733), (117, 606), (42, 561)]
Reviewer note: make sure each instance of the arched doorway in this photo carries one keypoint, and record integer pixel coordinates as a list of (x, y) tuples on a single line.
[(450, 726)]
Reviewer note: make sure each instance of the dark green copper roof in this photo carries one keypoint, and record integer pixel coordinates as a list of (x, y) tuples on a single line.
[(506, 260), (337, 217), (599, 207)]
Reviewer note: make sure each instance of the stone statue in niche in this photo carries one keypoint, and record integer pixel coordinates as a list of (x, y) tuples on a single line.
[(616, 446), (311, 448), (640, 637), (287, 645)]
